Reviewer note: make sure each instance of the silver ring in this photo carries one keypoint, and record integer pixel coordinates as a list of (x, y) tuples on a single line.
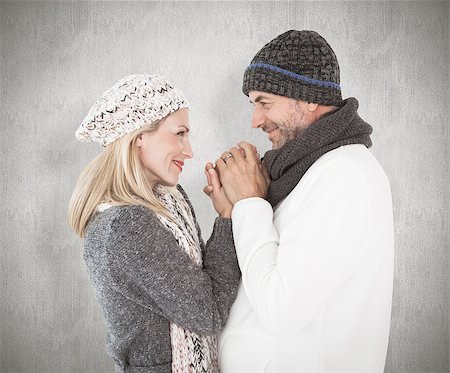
[(228, 156)]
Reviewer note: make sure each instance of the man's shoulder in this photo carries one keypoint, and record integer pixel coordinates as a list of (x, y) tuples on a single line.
[(337, 163), (344, 154), (350, 161), (349, 171), (351, 168)]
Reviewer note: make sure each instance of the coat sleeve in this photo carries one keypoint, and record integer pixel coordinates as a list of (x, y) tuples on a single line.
[(289, 274), (145, 254)]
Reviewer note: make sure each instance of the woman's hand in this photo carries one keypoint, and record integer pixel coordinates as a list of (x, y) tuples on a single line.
[(242, 173), (217, 194)]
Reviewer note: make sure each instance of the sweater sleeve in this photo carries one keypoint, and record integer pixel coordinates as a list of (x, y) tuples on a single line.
[(289, 274), (221, 235), (145, 254)]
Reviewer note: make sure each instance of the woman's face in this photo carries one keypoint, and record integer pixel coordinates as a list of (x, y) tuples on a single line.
[(162, 152)]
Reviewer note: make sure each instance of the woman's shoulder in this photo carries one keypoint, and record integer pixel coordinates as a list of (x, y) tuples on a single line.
[(121, 218)]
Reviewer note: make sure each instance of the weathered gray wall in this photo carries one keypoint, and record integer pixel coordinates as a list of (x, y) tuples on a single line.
[(57, 58)]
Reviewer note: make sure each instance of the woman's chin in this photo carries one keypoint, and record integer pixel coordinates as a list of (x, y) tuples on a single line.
[(169, 183)]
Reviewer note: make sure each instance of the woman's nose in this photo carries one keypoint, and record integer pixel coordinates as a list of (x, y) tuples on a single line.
[(187, 150)]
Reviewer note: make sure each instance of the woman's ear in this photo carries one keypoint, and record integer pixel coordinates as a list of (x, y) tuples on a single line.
[(139, 141)]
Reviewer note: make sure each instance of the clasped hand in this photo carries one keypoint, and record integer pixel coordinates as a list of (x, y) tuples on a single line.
[(238, 174)]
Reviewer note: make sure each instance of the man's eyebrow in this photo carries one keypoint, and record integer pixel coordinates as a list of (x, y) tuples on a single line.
[(259, 98)]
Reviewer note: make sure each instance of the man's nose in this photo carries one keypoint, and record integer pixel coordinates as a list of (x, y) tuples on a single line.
[(257, 119)]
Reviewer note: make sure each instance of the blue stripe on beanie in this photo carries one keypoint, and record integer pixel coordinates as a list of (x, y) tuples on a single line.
[(306, 79)]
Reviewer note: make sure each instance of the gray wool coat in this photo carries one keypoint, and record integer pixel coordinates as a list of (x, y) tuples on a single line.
[(143, 280)]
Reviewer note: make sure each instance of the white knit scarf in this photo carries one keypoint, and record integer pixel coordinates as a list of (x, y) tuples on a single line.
[(191, 353)]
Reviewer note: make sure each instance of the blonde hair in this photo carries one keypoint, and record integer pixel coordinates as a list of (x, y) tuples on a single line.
[(116, 176)]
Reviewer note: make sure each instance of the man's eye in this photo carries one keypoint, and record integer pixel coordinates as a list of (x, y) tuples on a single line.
[(181, 133)]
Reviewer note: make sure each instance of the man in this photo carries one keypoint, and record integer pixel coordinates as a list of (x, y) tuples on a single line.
[(315, 246)]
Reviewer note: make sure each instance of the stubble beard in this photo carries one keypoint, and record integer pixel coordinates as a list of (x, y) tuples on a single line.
[(294, 126)]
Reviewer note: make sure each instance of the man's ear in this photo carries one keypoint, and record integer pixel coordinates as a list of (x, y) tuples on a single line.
[(311, 107)]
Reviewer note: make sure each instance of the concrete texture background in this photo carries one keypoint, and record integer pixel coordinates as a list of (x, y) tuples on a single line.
[(58, 57)]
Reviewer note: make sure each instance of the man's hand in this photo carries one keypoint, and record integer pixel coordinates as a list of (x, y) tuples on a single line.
[(241, 173)]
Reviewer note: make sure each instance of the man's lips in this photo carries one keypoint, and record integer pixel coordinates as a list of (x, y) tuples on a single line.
[(179, 164), (270, 132)]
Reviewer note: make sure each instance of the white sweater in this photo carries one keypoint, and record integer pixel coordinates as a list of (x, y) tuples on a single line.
[(317, 273)]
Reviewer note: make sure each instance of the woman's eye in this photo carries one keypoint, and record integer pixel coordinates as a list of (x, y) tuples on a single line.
[(181, 133)]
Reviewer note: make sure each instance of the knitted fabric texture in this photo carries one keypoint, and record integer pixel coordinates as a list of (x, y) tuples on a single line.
[(191, 353), (130, 104), (143, 280), (296, 64), (288, 164)]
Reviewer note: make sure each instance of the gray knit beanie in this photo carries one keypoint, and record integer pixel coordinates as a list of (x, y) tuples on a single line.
[(297, 64)]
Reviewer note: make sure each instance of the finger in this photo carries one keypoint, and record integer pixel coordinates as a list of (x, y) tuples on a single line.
[(250, 151), (240, 143), (217, 170), (215, 182), (226, 156), (220, 166), (237, 154), (208, 166), (208, 190), (243, 144), (207, 176)]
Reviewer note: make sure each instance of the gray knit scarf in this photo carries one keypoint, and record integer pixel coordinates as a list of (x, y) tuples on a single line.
[(288, 164)]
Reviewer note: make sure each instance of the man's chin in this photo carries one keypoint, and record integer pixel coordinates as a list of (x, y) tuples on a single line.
[(276, 143), (276, 146), (276, 139)]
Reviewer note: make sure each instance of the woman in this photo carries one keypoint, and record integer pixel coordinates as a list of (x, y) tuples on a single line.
[(164, 294)]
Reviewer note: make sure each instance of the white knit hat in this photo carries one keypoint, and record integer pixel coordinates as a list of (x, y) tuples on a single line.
[(130, 104)]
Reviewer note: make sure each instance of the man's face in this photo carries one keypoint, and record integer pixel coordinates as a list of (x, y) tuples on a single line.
[(282, 118)]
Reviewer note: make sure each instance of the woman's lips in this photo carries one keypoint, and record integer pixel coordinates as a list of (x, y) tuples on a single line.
[(179, 164)]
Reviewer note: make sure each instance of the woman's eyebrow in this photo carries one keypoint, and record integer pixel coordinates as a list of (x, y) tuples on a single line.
[(183, 126)]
